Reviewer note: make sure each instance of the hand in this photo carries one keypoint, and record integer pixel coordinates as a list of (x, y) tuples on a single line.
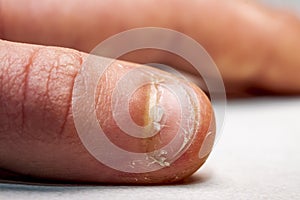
[(254, 47)]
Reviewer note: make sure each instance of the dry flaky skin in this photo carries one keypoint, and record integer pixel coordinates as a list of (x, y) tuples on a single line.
[(253, 46), (37, 132)]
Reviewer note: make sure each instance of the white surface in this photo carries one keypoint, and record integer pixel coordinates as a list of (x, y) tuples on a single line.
[(257, 157), (293, 5)]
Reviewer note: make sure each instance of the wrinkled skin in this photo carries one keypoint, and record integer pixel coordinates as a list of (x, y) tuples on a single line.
[(253, 46)]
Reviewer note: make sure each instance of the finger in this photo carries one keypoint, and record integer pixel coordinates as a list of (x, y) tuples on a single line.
[(39, 137), (252, 46)]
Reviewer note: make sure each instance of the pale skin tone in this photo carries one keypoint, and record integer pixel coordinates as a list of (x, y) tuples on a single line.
[(253, 46)]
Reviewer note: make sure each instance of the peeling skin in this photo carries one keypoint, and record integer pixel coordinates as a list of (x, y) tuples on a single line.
[(155, 115), (159, 157), (67, 152), (155, 112), (120, 66), (194, 127)]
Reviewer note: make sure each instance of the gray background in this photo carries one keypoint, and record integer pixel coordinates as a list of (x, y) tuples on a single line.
[(289, 4)]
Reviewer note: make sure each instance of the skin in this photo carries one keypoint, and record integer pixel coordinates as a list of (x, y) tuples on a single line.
[(253, 46), (35, 113), (37, 133)]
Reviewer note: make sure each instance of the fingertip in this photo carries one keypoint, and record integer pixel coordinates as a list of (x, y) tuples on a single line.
[(179, 134), (177, 112)]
